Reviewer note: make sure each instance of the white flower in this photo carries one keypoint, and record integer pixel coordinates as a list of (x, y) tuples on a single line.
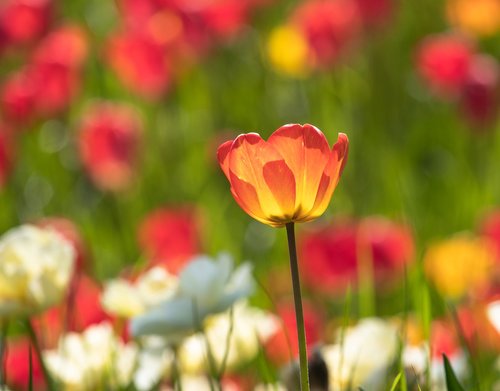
[(125, 299), (35, 268), (206, 287), (92, 359), (154, 363), (493, 314), (363, 359), (120, 298), (248, 328)]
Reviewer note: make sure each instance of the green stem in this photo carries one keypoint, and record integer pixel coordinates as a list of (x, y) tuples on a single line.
[(3, 346), (38, 351), (299, 314)]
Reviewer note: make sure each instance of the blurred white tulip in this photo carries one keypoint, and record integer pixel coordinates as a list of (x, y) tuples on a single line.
[(35, 269), (206, 287)]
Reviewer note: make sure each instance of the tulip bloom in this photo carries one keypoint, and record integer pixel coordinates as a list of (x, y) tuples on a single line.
[(290, 178)]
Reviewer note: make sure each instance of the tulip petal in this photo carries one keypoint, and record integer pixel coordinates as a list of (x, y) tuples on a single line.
[(222, 156), (281, 182), (306, 151), (247, 158), (246, 197), (330, 176)]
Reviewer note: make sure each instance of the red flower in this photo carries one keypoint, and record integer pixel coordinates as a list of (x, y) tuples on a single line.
[(375, 12), (147, 71), (285, 342), (50, 81), (109, 140), (480, 94), (443, 61), (17, 365), (490, 228), (18, 97), (330, 27), (24, 21), (330, 256), (6, 154), (81, 309), (170, 237)]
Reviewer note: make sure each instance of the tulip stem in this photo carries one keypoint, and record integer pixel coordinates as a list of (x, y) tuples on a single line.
[(38, 351), (299, 314), (3, 347)]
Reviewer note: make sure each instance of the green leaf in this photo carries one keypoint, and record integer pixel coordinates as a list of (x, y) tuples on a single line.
[(396, 381), (452, 383)]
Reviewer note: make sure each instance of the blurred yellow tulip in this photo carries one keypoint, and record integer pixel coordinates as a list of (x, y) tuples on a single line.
[(476, 17)]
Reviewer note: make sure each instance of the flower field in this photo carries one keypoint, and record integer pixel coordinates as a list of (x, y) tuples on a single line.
[(250, 195)]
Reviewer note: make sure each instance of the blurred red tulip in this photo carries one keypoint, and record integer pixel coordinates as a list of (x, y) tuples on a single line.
[(24, 21), (330, 27), (147, 72), (480, 97), (47, 84), (110, 134), (284, 342), (18, 97), (81, 309), (66, 46), (444, 339), (17, 365), (70, 232), (6, 154), (375, 13), (330, 256), (170, 237), (490, 228), (443, 61)]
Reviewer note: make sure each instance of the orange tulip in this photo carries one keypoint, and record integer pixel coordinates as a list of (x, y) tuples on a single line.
[(290, 178)]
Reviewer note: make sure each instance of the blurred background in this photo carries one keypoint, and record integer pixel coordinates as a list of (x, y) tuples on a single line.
[(111, 113)]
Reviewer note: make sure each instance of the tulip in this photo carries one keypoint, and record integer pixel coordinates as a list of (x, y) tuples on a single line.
[(205, 287), (290, 178), (170, 237), (109, 140), (443, 62), (477, 17)]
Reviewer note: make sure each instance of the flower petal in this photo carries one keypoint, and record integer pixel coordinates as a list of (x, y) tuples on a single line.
[(247, 158), (222, 156), (306, 151), (330, 176)]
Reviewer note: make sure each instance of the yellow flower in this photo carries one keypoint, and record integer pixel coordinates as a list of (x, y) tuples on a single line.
[(477, 17), (288, 51), (459, 264)]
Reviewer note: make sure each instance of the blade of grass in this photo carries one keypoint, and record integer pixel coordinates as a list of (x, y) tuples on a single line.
[(396, 381), (452, 383)]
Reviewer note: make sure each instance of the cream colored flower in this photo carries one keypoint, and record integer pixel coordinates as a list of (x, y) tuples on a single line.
[(93, 359), (126, 299), (35, 268), (365, 356), (249, 327), (120, 298)]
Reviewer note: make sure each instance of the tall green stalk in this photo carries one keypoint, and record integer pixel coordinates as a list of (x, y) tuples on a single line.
[(299, 314)]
